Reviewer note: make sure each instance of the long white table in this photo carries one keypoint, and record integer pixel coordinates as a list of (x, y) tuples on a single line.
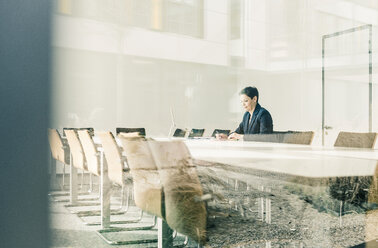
[(299, 160), (295, 160), (271, 168)]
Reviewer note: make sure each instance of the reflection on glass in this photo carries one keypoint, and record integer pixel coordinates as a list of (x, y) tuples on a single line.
[(127, 63)]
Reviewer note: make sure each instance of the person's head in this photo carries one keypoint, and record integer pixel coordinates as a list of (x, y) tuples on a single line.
[(249, 98)]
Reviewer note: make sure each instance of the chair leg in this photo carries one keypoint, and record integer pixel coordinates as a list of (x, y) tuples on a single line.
[(80, 204), (117, 221), (82, 180), (83, 204), (127, 242), (63, 176), (90, 183), (123, 209), (124, 200), (53, 180), (120, 229), (87, 213), (54, 184), (54, 194), (63, 192), (186, 242)]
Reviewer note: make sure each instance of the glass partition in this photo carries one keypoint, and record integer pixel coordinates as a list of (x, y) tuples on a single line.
[(164, 65)]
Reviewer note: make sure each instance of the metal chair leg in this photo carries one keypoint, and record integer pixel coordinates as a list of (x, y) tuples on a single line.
[(80, 204), (117, 221), (186, 242), (127, 242), (120, 229), (63, 176), (90, 183), (85, 213), (82, 180), (123, 209)]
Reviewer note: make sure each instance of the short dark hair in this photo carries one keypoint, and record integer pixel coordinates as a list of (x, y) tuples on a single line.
[(251, 92)]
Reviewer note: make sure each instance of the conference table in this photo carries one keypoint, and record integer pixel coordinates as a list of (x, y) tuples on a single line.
[(284, 180), (299, 160), (283, 194)]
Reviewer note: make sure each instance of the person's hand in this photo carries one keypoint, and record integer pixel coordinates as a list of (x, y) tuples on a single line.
[(221, 136), (235, 136)]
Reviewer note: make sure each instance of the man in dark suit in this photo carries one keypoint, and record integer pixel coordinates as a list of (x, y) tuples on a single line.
[(256, 119)]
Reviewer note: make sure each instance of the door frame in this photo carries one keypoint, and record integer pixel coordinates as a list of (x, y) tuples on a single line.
[(327, 36)]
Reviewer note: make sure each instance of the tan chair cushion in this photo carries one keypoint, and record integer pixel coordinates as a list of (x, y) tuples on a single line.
[(76, 149), (301, 138), (92, 156), (356, 140), (59, 150), (289, 137), (113, 157)]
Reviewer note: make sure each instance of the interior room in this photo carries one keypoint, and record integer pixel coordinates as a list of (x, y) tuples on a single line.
[(199, 123)]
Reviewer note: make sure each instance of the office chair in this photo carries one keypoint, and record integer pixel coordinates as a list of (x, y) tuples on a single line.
[(184, 205), (179, 133), (141, 130), (217, 131), (91, 132), (288, 137), (355, 140), (60, 151), (90, 129), (147, 188), (77, 161), (297, 137), (117, 169), (355, 189), (93, 166), (196, 133)]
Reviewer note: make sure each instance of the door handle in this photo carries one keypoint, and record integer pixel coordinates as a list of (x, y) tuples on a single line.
[(328, 127)]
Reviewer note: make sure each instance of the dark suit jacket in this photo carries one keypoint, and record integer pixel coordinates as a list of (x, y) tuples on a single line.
[(261, 122)]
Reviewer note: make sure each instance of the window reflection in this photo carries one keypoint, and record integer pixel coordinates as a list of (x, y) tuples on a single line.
[(127, 63)]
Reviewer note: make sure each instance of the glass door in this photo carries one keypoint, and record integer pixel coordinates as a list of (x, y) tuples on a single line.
[(346, 81)]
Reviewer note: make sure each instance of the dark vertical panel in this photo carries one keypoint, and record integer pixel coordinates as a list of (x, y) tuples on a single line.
[(24, 108)]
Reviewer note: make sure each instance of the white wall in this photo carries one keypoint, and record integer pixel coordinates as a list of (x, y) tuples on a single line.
[(107, 74)]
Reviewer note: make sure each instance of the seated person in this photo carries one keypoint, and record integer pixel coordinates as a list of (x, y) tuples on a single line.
[(256, 119)]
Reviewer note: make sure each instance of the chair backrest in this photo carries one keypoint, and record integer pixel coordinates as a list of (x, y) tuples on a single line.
[(113, 157), (184, 212), (179, 133), (300, 138), (140, 130), (77, 153), (196, 133), (356, 140), (224, 131), (289, 137), (59, 150), (90, 129), (148, 191), (92, 156)]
